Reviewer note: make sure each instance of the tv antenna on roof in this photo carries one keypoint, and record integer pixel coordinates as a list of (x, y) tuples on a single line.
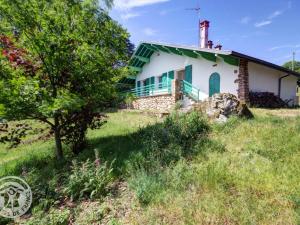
[(293, 61), (197, 10)]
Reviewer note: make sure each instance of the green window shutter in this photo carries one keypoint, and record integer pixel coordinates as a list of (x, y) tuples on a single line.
[(146, 89), (152, 82), (164, 80), (188, 76), (171, 75), (138, 88), (147, 82)]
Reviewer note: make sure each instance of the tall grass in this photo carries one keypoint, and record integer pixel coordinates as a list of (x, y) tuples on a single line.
[(252, 179), (182, 170)]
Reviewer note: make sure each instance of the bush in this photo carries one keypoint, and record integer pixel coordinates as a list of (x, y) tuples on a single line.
[(88, 180), (129, 98)]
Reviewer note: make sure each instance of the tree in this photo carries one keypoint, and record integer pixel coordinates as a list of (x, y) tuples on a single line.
[(60, 62), (289, 65)]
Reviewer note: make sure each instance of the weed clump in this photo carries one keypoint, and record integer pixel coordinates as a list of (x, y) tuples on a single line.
[(88, 180)]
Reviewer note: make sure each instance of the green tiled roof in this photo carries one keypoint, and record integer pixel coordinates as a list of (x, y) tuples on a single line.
[(145, 50)]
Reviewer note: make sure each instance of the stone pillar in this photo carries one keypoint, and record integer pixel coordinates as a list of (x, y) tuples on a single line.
[(243, 81), (176, 89)]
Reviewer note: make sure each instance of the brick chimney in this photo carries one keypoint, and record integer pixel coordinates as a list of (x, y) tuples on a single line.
[(204, 25)]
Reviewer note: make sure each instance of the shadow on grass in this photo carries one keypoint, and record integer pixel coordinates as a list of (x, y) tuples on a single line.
[(113, 148), (44, 173)]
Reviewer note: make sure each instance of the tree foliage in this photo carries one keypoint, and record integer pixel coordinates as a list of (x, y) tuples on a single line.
[(60, 62), (289, 65)]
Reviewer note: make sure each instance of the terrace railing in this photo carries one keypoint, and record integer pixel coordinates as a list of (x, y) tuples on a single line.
[(190, 90), (153, 89), (165, 88)]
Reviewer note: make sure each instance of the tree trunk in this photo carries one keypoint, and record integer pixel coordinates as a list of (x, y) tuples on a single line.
[(58, 144)]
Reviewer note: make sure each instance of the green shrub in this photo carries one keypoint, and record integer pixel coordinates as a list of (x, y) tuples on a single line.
[(129, 98), (88, 180)]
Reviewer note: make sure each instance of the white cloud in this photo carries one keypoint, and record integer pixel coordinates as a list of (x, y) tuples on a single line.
[(129, 15), (245, 20), (128, 4), (275, 14), (149, 31), (263, 23), (284, 46)]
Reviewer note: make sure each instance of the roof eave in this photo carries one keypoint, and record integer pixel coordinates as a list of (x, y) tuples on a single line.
[(221, 52), (265, 63)]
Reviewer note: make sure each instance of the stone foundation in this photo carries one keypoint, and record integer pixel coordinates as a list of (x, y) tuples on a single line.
[(159, 103)]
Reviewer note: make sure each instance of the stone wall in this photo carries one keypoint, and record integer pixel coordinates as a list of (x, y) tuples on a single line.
[(159, 103)]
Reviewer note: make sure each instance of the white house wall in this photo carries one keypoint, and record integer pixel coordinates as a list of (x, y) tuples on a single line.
[(261, 78), (288, 88), (265, 79), (161, 62)]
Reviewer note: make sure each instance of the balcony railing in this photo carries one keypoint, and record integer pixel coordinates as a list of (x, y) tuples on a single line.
[(190, 90), (186, 88), (153, 89)]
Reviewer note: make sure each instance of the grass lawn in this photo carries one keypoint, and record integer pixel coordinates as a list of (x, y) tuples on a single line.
[(247, 172)]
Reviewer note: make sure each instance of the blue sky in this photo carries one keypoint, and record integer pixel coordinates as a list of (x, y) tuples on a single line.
[(267, 29)]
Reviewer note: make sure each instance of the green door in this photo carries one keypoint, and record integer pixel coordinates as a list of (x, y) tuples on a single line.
[(188, 76), (214, 84)]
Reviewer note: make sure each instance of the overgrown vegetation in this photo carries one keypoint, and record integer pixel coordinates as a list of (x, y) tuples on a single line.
[(165, 143), (181, 170)]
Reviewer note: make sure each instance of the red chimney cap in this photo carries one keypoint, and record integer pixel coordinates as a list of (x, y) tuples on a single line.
[(204, 23)]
